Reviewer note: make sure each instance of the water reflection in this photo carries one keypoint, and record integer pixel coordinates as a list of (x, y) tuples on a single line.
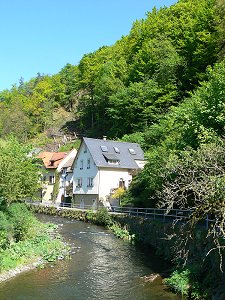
[(102, 267)]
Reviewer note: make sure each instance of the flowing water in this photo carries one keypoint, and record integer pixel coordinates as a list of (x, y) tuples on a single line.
[(102, 267)]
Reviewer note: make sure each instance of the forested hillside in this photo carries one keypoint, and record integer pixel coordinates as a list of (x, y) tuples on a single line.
[(127, 87), (162, 85)]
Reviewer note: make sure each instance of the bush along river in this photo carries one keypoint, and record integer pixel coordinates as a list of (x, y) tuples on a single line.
[(101, 267)]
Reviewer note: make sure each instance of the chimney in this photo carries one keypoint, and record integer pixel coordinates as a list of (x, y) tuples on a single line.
[(104, 137)]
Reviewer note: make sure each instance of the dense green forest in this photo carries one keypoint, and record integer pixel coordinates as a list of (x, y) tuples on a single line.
[(123, 88), (163, 86)]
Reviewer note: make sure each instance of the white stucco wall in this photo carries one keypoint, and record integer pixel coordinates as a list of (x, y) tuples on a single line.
[(109, 179), (63, 183), (85, 173)]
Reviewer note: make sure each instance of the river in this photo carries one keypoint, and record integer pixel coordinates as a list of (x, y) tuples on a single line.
[(102, 267)]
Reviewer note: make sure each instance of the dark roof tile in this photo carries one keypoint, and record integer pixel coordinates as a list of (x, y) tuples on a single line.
[(126, 159)]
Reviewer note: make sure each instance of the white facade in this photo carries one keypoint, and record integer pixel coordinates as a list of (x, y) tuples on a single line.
[(85, 171), (65, 176), (93, 184)]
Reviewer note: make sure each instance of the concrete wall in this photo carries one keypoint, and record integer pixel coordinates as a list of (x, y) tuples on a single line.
[(91, 200)]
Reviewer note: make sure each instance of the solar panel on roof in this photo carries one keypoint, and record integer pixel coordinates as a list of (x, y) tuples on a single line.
[(104, 148)]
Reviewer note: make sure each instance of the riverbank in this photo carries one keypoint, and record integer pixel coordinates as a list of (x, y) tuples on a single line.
[(25, 242), (100, 267), (191, 278), (20, 269)]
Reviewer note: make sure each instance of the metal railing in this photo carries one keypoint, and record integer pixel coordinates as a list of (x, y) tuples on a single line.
[(160, 214)]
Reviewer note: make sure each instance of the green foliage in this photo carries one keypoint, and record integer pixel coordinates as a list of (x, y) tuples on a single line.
[(119, 192), (180, 282), (100, 217), (6, 231), (70, 146), (195, 179), (23, 239), (186, 283), (121, 232), (129, 86), (163, 57), (198, 120), (136, 137), (23, 222), (19, 175)]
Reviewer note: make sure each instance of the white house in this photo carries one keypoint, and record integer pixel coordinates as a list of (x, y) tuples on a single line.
[(102, 166), (65, 172)]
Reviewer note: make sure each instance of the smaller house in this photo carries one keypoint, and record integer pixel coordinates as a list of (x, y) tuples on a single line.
[(50, 161), (65, 172), (101, 167)]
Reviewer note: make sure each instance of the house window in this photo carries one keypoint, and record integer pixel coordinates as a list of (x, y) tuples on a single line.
[(88, 163), (81, 165), (79, 182), (104, 148), (113, 162), (132, 151), (44, 178), (111, 158), (51, 179), (85, 149), (90, 182), (116, 149), (122, 183)]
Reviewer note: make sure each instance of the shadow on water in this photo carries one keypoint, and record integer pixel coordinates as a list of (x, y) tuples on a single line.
[(101, 267)]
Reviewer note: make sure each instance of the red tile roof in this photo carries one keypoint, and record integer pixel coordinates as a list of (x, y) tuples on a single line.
[(51, 160)]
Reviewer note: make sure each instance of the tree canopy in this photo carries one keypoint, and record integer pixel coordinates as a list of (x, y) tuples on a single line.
[(19, 173)]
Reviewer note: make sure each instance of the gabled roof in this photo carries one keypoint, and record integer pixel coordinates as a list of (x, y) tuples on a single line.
[(121, 152), (68, 161), (51, 160)]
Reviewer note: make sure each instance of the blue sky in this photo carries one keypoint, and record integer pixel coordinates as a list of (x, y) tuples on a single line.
[(42, 36)]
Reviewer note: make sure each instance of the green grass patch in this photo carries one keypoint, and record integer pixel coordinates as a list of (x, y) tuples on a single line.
[(23, 239)]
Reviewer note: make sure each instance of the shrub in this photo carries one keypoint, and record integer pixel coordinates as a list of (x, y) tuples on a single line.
[(187, 283), (23, 221), (6, 231), (100, 217), (179, 282), (121, 232)]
